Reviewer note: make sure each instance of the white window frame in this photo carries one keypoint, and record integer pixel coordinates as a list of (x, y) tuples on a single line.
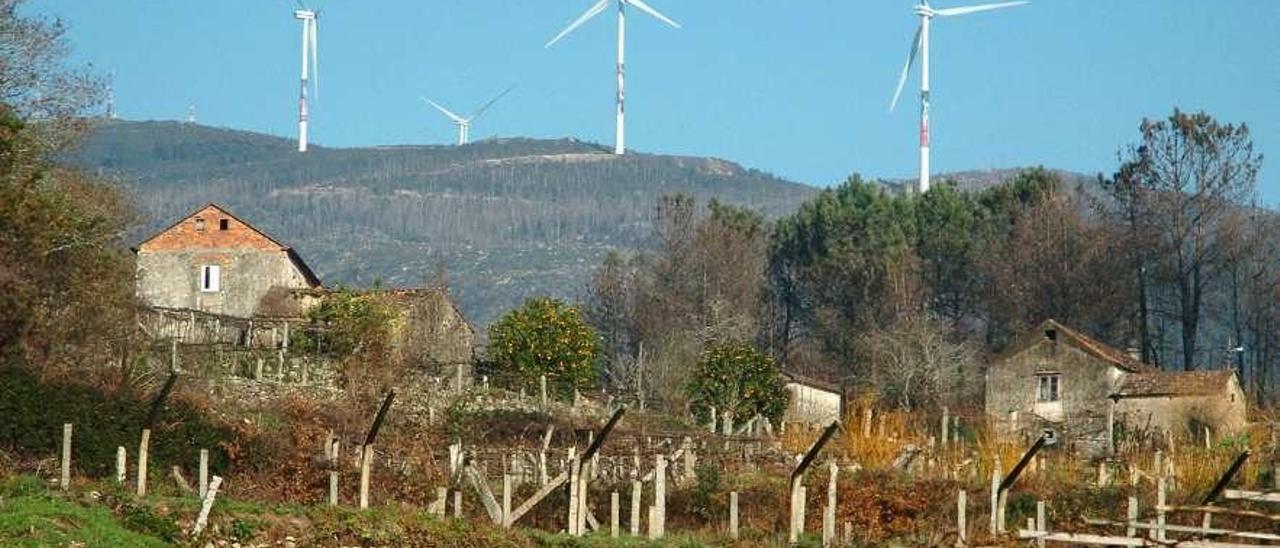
[(1054, 381), (210, 278)]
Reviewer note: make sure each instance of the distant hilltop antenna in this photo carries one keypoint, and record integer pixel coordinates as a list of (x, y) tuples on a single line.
[(191, 113), (920, 44), (464, 124), (619, 143), (310, 32)]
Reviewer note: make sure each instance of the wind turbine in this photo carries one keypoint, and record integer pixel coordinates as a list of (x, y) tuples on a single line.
[(309, 38), (464, 124), (921, 43), (619, 146)]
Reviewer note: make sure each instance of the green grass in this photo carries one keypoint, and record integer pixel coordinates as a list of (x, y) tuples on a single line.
[(31, 515)]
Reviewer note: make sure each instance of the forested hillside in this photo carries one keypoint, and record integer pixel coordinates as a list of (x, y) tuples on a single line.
[(505, 218)]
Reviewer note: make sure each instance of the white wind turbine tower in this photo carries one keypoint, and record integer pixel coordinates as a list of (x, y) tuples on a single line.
[(464, 124), (619, 146), (309, 39), (921, 43)]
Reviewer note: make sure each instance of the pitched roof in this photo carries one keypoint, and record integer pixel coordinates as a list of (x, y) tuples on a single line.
[(1174, 383), (797, 378), (1086, 344), (306, 271)]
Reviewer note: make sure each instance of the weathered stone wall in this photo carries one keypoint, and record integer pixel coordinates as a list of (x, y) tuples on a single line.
[(171, 279), (1086, 383)]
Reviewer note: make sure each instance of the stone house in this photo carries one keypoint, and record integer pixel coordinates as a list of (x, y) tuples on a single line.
[(812, 401), (212, 261), (1055, 377)]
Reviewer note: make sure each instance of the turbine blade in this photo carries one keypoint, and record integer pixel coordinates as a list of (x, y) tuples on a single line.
[(490, 103), (649, 10), (446, 111), (301, 5), (586, 16), (948, 12), (911, 59)]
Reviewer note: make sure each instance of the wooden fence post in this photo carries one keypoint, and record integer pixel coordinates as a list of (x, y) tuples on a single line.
[(143, 446), (204, 472), (64, 481), (733, 515), (457, 504), (962, 528), (121, 464)]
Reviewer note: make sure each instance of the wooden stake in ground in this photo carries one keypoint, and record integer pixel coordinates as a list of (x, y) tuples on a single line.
[(962, 507), (206, 505), (575, 469), (64, 481), (143, 447)]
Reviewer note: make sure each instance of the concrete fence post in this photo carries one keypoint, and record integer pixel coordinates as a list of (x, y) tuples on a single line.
[(613, 515), (204, 472), (121, 464), (143, 447), (64, 481), (733, 515)]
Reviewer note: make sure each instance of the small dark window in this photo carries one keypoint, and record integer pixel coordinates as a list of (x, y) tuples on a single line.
[(223, 224), (199, 224), (1051, 334)]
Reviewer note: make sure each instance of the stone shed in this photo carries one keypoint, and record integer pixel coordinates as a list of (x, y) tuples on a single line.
[(212, 261), (1185, 403)]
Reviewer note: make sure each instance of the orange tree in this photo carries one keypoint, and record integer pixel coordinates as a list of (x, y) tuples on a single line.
[(736, 377), (545, 337)]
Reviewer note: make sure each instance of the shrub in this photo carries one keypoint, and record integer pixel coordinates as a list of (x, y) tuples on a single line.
[(734, 376), (545, 337)]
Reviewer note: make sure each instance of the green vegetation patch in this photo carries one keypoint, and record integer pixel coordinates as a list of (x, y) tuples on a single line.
[(30, 515)]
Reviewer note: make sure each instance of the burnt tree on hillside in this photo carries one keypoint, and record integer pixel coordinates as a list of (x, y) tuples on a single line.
[(1189, 173)]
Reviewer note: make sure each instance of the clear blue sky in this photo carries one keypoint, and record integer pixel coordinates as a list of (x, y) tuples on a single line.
[(800, 89)]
